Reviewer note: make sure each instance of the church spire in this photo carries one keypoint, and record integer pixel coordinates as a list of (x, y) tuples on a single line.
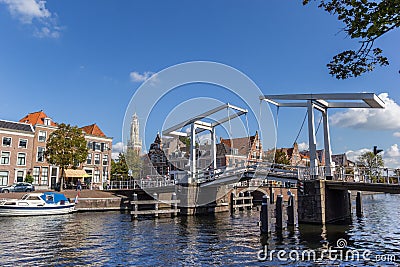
[(134, 138)]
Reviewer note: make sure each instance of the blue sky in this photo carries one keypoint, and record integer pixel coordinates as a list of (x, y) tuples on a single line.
[(81, 61)]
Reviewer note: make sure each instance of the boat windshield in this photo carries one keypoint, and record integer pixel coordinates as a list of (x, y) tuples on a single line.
[(25, 197)]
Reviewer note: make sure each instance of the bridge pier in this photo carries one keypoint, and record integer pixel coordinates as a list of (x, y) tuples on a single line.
[(320, 205)]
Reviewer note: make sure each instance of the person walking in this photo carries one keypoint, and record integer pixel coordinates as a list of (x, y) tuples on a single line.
[(78, 185)]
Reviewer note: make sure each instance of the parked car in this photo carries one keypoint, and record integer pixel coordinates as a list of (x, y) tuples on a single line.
[(18, 187)]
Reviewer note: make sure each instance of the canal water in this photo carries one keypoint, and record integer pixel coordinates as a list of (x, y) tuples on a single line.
[(112, 239)]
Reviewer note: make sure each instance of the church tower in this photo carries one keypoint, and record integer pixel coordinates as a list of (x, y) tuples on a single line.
[(134, 139)]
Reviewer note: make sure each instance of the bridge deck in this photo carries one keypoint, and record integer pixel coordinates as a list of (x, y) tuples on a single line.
[(357, 186)]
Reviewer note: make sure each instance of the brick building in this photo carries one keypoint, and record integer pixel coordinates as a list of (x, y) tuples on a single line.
[(239, 152), (23, 146), (15, 151)]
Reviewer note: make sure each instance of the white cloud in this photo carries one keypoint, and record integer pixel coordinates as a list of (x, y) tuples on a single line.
[(34, 12), (396, 134), (116, 149), (354, 154), (378, 119), (137, 77), (303, 146), (391, 156)]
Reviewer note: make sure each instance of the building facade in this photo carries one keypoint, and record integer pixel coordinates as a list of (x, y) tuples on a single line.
[(23, 146), (239, 152), (98, 162), (15, 151)]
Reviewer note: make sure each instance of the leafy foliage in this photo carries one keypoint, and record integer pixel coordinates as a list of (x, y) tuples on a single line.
[(134, 162), (29, 179), (369, 160), (281, 158), (66, 147), (364, 20), (119, 168)]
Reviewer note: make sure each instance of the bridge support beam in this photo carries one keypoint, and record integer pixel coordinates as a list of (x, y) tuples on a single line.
[(312, 143), (320, 205)]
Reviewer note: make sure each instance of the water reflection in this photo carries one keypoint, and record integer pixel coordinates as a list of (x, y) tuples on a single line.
[(112, 239)]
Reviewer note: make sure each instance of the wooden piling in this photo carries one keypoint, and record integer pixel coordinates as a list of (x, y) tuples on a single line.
[(291, 211), (264, 219), (359, 211), (279, 212)]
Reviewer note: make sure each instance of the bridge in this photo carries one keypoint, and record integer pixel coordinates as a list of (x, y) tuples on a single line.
[(322, 190)]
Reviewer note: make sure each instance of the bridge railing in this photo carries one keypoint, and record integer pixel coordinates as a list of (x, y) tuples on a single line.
[(351, 174)]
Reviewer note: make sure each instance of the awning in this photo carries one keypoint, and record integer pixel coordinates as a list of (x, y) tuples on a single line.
[(76, 173)]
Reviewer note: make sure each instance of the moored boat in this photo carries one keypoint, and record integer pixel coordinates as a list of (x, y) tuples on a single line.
[(47, 203)]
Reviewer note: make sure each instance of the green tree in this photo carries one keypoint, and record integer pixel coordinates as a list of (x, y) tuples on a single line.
[(66, 148), (119, 168), (366, 21), (372, 163), (369, 160), (281, 158), (134, 162), (29, 178)]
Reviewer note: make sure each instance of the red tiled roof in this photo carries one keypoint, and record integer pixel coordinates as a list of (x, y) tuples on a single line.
[(36, 118), (93, 130)]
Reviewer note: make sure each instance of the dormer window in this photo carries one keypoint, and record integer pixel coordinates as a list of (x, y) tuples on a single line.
[(47, 121)]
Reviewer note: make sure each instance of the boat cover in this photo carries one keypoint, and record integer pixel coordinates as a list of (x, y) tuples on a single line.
[(51, 197)]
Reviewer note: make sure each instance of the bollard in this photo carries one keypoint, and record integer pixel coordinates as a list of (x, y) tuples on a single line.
[(135, 206), (359, 211), (291, 210), (279, 212), (264, 222), (174, 204), (156, 204), (272, 195)]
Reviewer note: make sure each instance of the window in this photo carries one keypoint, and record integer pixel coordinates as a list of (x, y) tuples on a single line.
[(42, 136), (96, 176), (40, 154), (21, 160), (20, 176), (105, 174), (22, 143), (89, 159), (35, 174), (102, 147), (97, 146), (3, 177), (97, 159), (47, 121), (105, 159), (106, 147), (45, 176), (6, 141), (5, 158), (89, 145)]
